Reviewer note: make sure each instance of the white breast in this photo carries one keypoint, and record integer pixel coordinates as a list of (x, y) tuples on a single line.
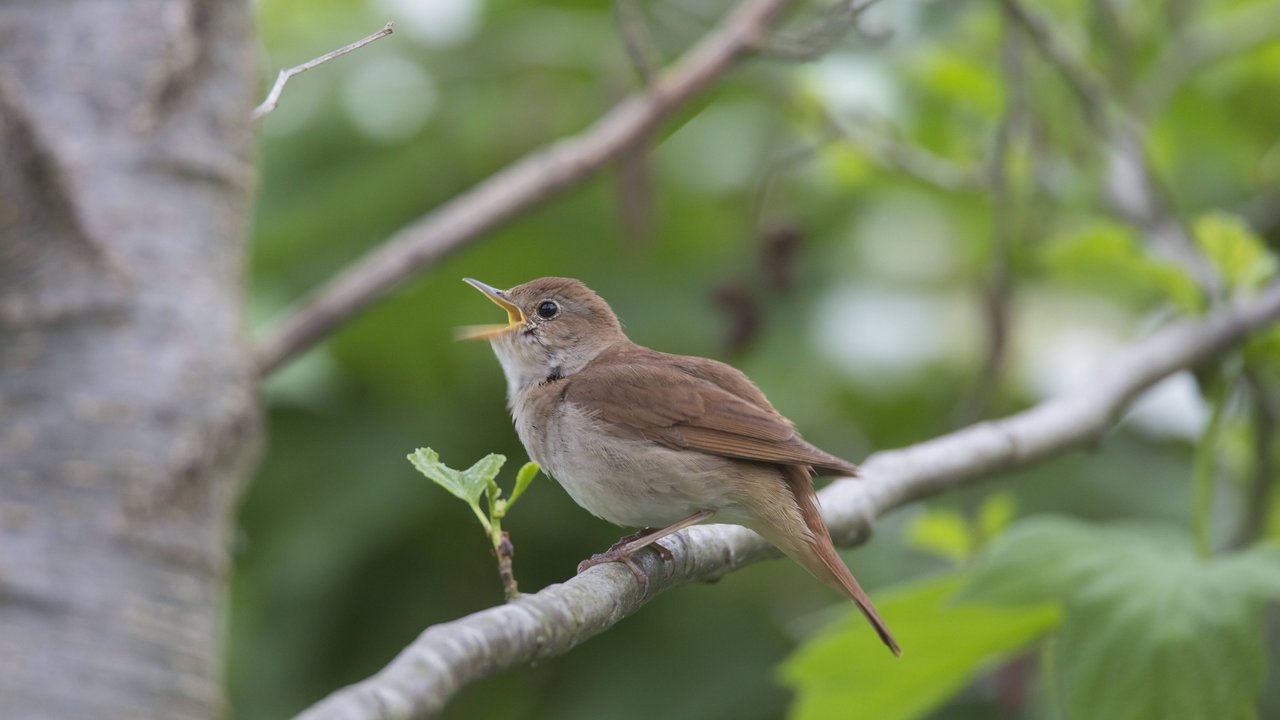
[(633, 483)]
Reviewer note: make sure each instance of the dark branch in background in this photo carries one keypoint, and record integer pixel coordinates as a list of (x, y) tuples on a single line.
[(634, 184), (636, 39), (1262, 478), (881, 142), (422, 679), (1199, 43), (820, 37), (273, 97), (998, 294), (521, 185), (1132, 189)]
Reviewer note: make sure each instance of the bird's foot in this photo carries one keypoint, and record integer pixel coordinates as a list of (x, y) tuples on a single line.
[(627, 546), (633, 541), (622, 554)]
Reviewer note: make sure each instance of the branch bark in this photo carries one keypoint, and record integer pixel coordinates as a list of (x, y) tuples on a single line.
[(420, 681), (521, 185)]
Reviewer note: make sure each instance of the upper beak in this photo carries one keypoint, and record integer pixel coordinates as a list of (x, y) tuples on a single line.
[(515, 318)]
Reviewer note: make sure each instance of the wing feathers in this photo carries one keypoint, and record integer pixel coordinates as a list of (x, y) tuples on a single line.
[(691, 403)]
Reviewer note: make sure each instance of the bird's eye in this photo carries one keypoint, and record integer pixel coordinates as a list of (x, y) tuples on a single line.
[(548, 309)]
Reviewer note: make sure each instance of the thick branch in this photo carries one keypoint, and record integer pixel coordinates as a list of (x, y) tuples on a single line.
[(444, 658), (516, 188)]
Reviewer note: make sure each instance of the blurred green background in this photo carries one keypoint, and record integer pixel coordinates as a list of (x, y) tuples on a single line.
[(828, 227)]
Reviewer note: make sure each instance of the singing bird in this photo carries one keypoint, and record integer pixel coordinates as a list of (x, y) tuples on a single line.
[(646, 439)]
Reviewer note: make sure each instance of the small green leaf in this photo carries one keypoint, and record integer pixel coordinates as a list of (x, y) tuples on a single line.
[(1150, 629), (482, 475), (526, 475), (960, 80), (1240, 256), (944, 645), (1107, 257), (462, 485), (995, 514), (941, 532)]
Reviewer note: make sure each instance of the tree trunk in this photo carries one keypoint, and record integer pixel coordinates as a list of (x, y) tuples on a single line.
[(127, 409)]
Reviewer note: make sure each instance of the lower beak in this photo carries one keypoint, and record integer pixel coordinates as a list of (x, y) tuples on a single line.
[(515, 318)]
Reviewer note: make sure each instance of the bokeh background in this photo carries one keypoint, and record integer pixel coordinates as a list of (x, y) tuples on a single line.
[(829, 227)]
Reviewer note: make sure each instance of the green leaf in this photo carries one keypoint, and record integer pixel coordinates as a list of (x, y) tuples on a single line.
[(941, 532), (484, 473), (468, 485), (1150, 629), (1239, 255), (944, 646), (996, 513), (526, 475), (1108, 257), (961, 81)]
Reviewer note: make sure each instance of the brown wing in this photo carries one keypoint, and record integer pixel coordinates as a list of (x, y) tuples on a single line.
[(694, 404)]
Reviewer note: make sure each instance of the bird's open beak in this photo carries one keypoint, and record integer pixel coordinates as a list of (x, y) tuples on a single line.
[(515, 318)]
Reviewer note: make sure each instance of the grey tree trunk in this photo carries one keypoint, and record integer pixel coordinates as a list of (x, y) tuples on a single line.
[(127, 409)]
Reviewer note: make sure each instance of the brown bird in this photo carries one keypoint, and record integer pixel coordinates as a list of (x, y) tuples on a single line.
[(646, 439)]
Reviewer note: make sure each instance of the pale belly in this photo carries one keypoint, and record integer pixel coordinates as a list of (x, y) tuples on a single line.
[(631, 483)]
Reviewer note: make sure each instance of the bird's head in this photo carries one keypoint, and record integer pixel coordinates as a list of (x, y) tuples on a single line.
[(555, 326)]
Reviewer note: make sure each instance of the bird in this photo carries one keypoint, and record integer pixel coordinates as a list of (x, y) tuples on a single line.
[(657, 441)]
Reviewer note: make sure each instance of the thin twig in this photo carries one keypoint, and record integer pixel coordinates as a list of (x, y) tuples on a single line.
[(506, 552), (273, 97), (819, 38), (1132, 189), (1089, 87), (636, 40), (997, 294), (516, 188), (420, 681), (880, 141), (1194, 45), (1266, 465)]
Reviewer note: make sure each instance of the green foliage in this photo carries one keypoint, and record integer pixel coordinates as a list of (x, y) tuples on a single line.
[(470, 485), (996, 513), (948, 534), (476, 481), (466, 485), (842, 672), (1240, 256), (1107, 257), (1150, 629), (942, 532)]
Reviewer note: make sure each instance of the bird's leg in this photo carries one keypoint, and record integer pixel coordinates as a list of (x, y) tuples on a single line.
[(628, 546)]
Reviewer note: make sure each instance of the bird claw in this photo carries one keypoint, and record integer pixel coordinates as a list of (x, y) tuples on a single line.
[(617, 553), (663, 552), (611, 556)]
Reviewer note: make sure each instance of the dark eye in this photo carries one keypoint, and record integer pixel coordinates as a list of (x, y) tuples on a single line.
[(548, 310)]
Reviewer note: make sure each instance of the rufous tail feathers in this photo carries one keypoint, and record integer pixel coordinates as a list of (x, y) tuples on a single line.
[(819, 555)]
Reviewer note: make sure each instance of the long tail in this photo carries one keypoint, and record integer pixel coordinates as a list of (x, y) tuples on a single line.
[(815, 551)]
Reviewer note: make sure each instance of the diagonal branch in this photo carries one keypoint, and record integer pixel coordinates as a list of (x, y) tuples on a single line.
[(518, 187), (273, 97), (420, 681)]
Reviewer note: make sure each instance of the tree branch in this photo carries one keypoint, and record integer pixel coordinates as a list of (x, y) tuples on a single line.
[(1203, 42), (997, 295), (1132, 189), (516, 188), (444, 658), (273, 97)]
